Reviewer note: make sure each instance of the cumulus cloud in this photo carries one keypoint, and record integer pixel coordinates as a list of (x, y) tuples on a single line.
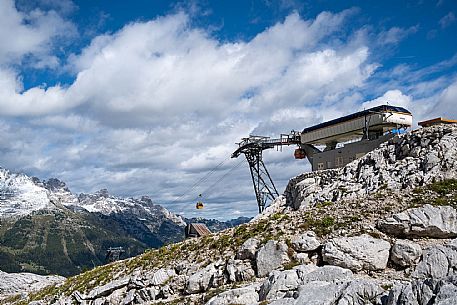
[(446, 105), (158, 104), (30, 33)]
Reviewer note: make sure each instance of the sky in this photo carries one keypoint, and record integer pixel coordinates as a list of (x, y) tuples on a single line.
[(150, 97)]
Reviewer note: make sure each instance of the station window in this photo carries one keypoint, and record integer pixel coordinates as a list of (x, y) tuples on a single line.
[(329, 164), (320, 166)]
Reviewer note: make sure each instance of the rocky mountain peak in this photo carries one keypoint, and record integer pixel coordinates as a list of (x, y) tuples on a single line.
[(54, 184), (406, 161)]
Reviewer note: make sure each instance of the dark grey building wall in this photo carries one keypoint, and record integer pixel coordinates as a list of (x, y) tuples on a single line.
[(339, 157)]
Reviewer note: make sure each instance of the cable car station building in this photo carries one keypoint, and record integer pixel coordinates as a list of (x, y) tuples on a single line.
[(360, 132), (326, 145)]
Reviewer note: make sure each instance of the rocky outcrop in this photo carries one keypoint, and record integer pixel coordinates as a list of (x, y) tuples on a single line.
[(275, 259), (18, 283), (438, 292), (357, 253), (404, 162), (426, 221), (241, 296), (201, 280), (239, 270), (438, 261), (305, 242), (405, 253), (248, 249), (271, 256)]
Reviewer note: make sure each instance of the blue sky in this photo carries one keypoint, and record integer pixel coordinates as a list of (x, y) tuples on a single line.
[(146, 98)]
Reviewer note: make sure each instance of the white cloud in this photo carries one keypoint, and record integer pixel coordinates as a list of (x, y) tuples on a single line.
[(395, 35), (447, 103), (29, 33), (34, 101), (391, 97), (447, 20)]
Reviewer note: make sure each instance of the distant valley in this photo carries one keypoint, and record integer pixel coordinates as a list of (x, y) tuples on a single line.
[(46, 229)]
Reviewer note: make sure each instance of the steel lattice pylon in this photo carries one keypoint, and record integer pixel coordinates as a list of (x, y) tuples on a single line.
[(252, 148), (264, 187)]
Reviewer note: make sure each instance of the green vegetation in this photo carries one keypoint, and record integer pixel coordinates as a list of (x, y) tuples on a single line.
[(59, 242), (323, 204), (438, 193), (321, 226)]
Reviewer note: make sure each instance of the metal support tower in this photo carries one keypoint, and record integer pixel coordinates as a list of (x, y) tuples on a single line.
[(252, 149), (264, 187)]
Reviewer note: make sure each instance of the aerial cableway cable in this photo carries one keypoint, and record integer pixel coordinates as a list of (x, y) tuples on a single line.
[(222, 178), (201, 180)]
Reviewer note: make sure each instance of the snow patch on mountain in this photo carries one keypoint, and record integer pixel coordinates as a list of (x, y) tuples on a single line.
[(20, 195)]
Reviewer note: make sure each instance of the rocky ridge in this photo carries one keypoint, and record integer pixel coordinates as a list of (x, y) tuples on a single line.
[(412, 160), (359, 241)]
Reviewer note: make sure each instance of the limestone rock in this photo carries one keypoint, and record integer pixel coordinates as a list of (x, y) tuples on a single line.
[(305, 242), (357, 253), (400, 163), (302, 258), (15, 283), (425, 291), (242, 296), (161, 276), (107, 289), (200, 281), (437, 262), (316, 293), (447, 294), (239, 270), (248, 249), (271, 256), (278, 284), (405, 253), (146, 295), (425, 221), (360, 292), (323, 274)]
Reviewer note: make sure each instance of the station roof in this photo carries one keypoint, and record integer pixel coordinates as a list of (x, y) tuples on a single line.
[(436, 121), (382, 108)]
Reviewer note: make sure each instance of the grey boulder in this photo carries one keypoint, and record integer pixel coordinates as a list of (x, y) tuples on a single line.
[(238, 270), (279, 284), (242, 296), (270, 257), (425, 221), (438, 261), (405, 253), (248, 249), (200, 281), (357, 253), (305, 242)]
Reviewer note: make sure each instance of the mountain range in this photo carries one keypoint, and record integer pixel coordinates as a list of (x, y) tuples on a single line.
[(46, 229)]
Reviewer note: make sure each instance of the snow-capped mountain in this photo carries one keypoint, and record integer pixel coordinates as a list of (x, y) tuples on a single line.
[(102, 202), (21, 195), (49, 230)]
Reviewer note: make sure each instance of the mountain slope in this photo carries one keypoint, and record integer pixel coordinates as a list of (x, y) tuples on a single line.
[(46, 229), (387, 245)]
